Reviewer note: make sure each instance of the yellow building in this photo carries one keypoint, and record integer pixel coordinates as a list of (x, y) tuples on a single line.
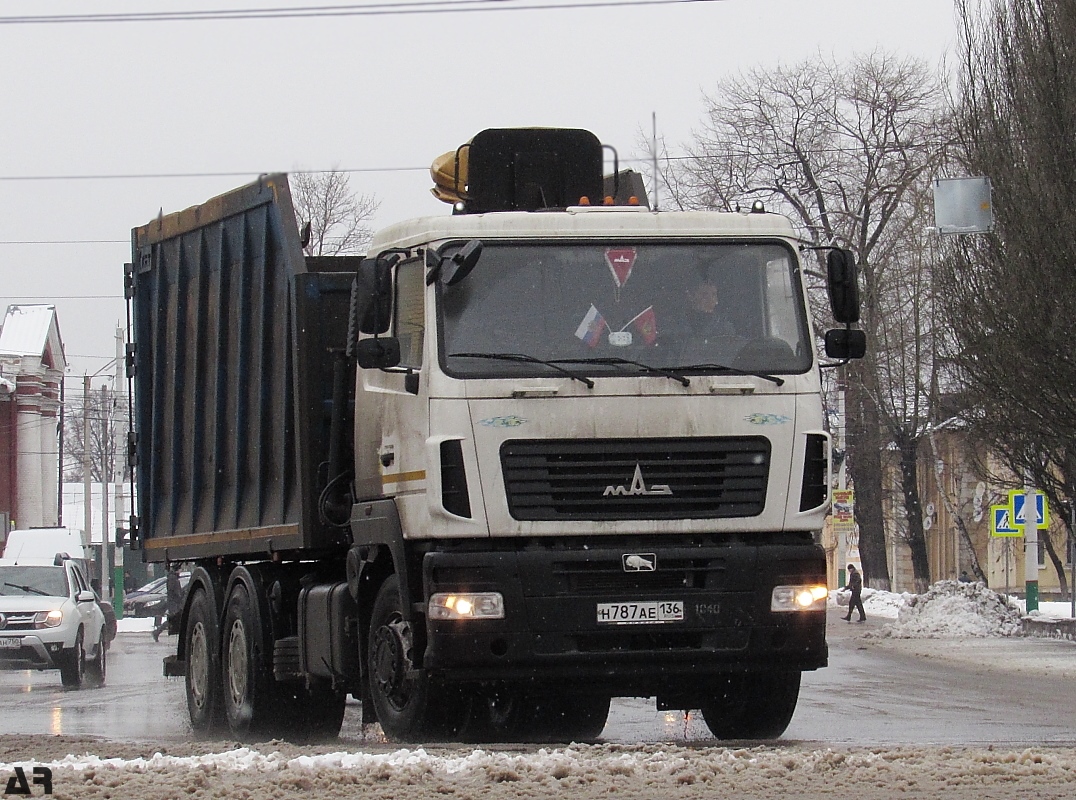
[(958, 485)]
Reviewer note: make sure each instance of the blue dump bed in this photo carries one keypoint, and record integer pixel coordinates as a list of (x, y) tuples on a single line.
[(234, 333)]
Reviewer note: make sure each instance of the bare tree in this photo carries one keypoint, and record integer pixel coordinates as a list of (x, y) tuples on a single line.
[(1012, 295), (846, 151), (339, 219), (103, 413)]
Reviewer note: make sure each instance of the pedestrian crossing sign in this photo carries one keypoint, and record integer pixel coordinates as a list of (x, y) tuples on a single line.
[(1001, 523), (1017, 498)]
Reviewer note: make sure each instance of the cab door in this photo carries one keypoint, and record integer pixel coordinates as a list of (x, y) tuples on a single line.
[(403, 396)]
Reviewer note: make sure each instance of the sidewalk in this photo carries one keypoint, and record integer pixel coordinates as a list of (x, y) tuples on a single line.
[(1030, 655)]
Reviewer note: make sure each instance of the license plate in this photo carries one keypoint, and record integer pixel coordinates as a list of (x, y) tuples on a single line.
[(10, 642), (641, 612)]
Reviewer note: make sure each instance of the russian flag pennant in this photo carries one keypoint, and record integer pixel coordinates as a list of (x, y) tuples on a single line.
[(590, 329)]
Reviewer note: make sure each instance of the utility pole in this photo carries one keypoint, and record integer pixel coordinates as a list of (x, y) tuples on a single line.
[(87, 522), (117, 462), (105, 471), (1031, 547)]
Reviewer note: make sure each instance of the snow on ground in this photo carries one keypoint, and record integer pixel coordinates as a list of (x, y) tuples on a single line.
[(134, 624), (949, 609), (587, 772)]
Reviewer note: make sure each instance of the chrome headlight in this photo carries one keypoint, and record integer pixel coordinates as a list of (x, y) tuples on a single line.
[(467, 605), (48, 619), (809, 597)]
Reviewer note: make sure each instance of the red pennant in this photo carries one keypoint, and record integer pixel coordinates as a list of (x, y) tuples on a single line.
[(620, 260)]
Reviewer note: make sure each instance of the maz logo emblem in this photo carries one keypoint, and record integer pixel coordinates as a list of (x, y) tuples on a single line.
[(638, 487), (639, 562)]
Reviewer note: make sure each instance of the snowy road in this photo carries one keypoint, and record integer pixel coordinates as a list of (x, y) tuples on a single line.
[(1009, 691), (964, 718)]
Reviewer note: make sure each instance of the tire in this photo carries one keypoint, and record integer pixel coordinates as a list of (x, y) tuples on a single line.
[(73, 664), (408, 707), (504, 714), (322, 714), (97, 669), (203, 678), (510, 714), (246, 693), (574, 717), (753, 706)]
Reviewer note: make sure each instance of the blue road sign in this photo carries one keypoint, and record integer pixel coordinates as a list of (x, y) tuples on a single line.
[(1001, 522), (1017, 502)]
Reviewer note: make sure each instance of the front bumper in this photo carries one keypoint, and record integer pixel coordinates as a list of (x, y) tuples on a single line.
[(551, 630), (34, 653)]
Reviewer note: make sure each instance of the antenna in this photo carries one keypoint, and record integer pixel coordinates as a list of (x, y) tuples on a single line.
[(654, 153)]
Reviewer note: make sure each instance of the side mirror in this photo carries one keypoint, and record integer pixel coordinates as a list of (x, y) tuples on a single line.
[(375, 281), (846, 343), (378, 353), (843, 283)]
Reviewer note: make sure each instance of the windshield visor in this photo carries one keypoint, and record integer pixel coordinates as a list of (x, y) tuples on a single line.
[(690, 307)]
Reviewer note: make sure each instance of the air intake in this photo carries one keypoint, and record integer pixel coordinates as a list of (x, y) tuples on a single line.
[(454, 496)]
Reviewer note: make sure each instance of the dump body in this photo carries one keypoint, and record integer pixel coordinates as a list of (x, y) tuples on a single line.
[(233, 339)]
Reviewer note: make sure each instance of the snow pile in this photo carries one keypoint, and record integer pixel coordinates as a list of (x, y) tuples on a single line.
[(951, 608), (587, 772)]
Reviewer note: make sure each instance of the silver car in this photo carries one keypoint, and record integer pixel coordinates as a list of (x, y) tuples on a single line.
[(50, 619)]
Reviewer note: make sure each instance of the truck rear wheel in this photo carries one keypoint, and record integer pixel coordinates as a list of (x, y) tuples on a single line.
[(753, 706), (512, 714), (248, 705), (323, 713), (408, 707), (203, 680), (574, 717)]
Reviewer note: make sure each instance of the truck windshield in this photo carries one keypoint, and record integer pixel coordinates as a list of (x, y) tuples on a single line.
[(689, 307)]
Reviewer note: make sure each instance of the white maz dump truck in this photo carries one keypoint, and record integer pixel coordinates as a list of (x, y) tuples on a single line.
[(546, 450)]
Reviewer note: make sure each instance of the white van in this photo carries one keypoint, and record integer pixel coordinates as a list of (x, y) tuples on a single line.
[(45, 543)]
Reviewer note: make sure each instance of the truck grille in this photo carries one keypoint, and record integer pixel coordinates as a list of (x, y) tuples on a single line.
[(614, 479)]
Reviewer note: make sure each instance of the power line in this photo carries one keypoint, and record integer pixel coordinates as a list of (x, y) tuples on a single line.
[(344, 10), (135, 176)]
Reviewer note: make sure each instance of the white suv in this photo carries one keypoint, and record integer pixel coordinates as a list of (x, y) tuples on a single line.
[(49, 619)]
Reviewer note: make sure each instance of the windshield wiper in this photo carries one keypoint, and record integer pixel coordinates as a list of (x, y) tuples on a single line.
[(28, 589), (734, 371), (683, 381), (525, 359)]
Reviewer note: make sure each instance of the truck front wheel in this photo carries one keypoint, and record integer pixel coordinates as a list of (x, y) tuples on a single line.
[(753, 706), (407, 706)]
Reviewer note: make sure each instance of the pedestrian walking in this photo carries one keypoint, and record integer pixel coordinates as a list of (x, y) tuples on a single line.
[(855, 586), (173, 601)]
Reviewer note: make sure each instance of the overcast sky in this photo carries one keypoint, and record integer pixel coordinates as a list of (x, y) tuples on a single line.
[(379, 93)]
